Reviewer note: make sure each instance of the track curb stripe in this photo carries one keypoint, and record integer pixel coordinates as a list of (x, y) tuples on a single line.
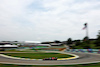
[(75, 57)]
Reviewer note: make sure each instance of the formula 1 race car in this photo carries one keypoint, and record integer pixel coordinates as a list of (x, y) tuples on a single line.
[(51, 58)]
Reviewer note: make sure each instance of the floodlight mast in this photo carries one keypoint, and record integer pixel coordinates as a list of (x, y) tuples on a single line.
[(87, 34), (86, 28)]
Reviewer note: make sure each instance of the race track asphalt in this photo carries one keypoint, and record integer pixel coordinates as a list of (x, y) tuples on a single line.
[(83, 59)]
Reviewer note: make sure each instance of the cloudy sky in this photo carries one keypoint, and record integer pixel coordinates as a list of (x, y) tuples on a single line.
[(48, 20)]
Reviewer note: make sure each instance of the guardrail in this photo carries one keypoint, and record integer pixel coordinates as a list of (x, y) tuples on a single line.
[(84, 50)]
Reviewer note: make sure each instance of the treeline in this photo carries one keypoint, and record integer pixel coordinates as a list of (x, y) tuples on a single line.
[(86, 43)]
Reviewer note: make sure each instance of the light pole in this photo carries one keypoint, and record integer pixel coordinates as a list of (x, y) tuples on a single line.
[(86, 27)]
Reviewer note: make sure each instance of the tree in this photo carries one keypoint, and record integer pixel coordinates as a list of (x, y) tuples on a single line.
[(57, 41), (15, 41), (77, 43), (45, 43), (69, 41), (98, 39), (86, 38)]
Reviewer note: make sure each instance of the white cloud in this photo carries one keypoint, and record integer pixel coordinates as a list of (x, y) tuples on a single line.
[(55, 19)]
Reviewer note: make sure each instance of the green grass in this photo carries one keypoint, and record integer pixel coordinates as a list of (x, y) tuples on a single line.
[(84, 65), (38, 55), (11, 51)]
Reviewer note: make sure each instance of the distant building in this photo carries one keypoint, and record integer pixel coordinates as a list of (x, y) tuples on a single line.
[(55, 44), (48, 45), (33, 44), (92, 39), (6, 45)]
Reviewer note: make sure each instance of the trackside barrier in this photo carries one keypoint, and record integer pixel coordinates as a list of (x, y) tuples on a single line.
[(84, 50), (11, 49), (31, 47)]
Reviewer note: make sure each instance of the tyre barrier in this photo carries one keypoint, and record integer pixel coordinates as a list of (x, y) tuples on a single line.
[(84, 50)]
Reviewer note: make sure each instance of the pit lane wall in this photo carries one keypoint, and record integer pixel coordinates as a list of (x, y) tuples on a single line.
[(84, 50)]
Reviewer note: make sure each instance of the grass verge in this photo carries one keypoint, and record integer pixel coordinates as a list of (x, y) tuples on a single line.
[(38, 55), (83, 65)]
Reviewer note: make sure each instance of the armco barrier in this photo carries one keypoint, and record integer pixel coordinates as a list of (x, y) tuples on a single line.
[(84, 50)]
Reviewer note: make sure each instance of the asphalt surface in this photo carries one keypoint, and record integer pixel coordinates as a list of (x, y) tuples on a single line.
[(83, 59)]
